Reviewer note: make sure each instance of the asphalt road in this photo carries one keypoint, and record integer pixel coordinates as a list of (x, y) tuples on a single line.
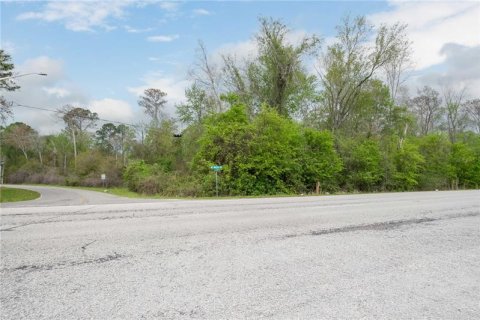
[(56, 196), (383, 256)]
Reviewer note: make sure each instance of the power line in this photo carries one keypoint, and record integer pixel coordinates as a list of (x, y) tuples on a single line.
[(63, 112)]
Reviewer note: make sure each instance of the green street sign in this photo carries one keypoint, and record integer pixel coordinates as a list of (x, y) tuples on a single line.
[(216, 168)]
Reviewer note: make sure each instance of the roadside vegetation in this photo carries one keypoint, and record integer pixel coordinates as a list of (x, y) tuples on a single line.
[(14, 194), (295, 118)]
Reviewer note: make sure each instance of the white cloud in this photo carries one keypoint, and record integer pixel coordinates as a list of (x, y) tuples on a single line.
[(295, 37), (112, 109), (201, 12), (169, 6), (431, 25), (460, 70), (57, 91), (240, 50), (130, 29), (8, 46), (163, 38), (50, 92), (53, 68), (53, 92), (171, 11), (79, 15)]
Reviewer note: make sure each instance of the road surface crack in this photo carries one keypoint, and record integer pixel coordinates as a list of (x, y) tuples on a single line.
[(84, 247), (44, 220), (381, 226), (63, 264)]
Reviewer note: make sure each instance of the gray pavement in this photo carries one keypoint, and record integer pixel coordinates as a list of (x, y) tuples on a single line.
[(376, 256)]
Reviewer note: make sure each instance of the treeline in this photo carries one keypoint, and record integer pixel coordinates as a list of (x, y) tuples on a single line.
[(274, 126)]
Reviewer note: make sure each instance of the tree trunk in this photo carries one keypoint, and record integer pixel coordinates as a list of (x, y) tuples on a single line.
[(402, 138), (25, 153), (317, 188), (40, 157), (74, 150), (65, 163)]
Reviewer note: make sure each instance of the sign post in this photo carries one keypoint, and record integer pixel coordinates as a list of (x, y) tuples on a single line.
[(103, 176), (2, 169), (216, 169)]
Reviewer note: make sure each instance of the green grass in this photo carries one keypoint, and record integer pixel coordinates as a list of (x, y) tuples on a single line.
[(122, 192), (118, 191), (14, 194)]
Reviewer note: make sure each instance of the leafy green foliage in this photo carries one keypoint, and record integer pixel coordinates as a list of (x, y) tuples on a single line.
[(276, 77), (160, 144), (272, 165), (408, 165), (352, 61), (224, 141), (269, 155), (151, 179), (465, 166), (363, 164), (437, 171), (197, 107), (6, 70), (135, 173), (21, 136), (105, 137), (320, 161), (372, 109)]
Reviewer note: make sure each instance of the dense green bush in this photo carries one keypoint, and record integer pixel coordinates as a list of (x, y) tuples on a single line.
[(408, 164), (437, 173), (363, 169), (269, 155), (273, 165), (465, 165), (152, 179), (135, 173), (321, 163)]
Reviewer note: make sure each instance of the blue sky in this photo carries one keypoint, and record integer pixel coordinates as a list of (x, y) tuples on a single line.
[(102, 55)]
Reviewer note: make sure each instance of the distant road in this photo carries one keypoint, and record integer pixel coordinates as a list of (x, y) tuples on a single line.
[(58, 196), (374, 256)]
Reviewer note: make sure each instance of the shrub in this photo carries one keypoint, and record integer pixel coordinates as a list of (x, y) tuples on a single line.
[(437, 171), (363, 164), (72, 181), (408, 164), (148, 185), (17, 177), (135, 173)]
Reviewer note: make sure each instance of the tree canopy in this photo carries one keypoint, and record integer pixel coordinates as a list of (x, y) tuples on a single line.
[(292, 118)]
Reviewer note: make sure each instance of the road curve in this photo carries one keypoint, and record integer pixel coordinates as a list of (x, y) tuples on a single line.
[(58, 196)]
